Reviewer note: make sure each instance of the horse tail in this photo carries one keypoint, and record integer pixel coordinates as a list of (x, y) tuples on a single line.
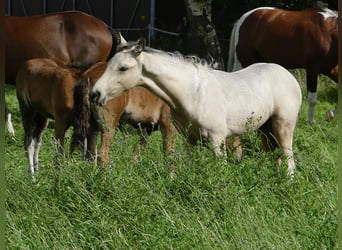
[(232, 49), (81, 115)]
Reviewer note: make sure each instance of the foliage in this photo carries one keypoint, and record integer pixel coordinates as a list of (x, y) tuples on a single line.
[(210, 204)]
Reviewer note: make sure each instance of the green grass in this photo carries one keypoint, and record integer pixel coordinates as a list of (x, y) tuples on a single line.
[(210, 204)]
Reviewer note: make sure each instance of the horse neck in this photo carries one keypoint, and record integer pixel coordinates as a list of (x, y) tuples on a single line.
[(169, 79)]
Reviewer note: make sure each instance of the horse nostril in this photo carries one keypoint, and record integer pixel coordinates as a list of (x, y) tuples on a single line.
[(94, 95)]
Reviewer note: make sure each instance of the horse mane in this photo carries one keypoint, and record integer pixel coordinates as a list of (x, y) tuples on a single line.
[(176, 55)]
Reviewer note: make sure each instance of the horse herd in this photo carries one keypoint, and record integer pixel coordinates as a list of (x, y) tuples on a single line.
[(75, 69)]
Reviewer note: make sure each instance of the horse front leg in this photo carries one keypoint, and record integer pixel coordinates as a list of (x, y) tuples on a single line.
[(311, 83), (169, 135), (236, 148)]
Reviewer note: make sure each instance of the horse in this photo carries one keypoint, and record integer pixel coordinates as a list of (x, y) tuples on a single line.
[(294, 39), (137, 107), (70, 38), (44, 90), (8, 120), (206, 104)]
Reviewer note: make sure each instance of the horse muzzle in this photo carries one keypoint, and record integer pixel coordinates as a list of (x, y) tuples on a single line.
[(95, 96)]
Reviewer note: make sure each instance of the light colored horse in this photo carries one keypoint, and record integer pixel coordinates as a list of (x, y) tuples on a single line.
[(207, 104)]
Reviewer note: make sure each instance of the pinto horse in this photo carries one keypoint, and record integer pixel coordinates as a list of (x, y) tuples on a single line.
[(294, 39), (137, 107), (70, 38), (208, 104), (44, 90)]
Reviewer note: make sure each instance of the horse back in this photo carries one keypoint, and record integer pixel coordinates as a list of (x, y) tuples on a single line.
[(293, 39), (70, 38), (46, 86)]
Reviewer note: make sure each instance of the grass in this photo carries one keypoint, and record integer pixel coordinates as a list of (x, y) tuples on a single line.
[(210, 204)]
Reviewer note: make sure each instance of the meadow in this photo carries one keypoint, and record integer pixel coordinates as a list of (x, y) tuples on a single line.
[(211, 203)]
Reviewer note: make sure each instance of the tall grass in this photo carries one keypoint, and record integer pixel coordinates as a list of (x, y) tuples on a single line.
[(210, 204)]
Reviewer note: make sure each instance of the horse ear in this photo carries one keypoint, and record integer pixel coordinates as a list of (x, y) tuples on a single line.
[(140, 46), (122, 39)]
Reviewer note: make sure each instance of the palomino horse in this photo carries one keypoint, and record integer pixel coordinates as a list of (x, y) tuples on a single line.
[(70, 38), (137, 106), (209, 104), (294, 39), (44, 90)]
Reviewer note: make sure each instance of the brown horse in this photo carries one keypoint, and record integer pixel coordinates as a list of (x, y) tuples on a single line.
[(70, 38), (44, 90), (137, 107), (294, 39)]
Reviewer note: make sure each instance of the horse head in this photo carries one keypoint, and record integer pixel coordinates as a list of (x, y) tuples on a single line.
[(123, 72)]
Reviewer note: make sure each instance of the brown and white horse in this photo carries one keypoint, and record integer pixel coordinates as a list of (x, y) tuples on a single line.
[(294, 39)]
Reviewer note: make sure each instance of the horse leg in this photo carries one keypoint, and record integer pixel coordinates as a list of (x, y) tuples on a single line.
[(283, 132), (111, 120), (28, 118), (91, 153), (311, 83), (269, 142), (169, 135), (237, 148), (142, 142), (60, 128), (40, 125)]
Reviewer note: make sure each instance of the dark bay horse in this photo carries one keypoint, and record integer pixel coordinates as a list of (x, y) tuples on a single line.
[(70, 38), (294, 39), (45, 90), (137, 107)]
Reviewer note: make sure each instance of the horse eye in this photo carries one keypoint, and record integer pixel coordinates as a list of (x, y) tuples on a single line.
[(123, 68)]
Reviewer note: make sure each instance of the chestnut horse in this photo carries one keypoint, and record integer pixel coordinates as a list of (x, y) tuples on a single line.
[(44, 90), (70, 38), (294, 39), (137, 107)]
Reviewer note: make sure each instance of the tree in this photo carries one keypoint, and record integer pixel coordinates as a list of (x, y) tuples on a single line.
[(203, 34)]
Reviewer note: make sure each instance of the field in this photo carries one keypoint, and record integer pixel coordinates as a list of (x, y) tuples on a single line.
[(210, 204)]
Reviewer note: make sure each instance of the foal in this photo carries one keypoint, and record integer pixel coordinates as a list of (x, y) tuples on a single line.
[(44, 90)]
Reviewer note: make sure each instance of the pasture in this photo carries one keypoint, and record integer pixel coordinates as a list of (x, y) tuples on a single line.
[(210, 204)]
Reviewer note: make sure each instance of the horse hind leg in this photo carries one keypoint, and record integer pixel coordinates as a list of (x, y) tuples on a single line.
[(283, 133), (311, 83), (144, 132), (40, 125)]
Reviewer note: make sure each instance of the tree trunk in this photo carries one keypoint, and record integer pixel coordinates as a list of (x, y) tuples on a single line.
[(204, 40)]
